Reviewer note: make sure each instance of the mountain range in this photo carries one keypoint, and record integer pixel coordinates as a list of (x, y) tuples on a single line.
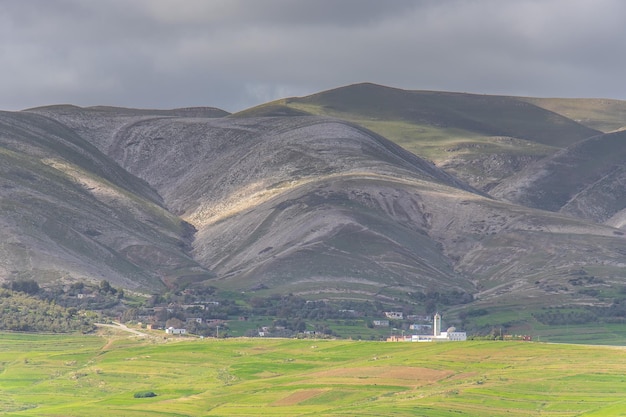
[(363, 192)]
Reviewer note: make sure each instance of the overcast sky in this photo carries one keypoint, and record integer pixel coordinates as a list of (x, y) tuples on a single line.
[(234, 54)]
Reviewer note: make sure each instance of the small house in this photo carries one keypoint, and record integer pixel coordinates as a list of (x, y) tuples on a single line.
[(172, 330)]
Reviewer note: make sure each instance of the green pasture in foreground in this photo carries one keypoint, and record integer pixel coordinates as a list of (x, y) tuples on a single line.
[(44, 375)]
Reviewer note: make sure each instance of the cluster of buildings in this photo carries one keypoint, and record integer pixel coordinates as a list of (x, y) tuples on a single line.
[(450, 335)]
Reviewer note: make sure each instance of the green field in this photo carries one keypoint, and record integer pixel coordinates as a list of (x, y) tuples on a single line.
[(44, 375)]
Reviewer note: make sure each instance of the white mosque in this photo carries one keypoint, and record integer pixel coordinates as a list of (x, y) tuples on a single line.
[(450, 335)]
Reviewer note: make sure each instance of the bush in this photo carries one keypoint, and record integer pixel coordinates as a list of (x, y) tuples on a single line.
[(146, 394), (28, 286)]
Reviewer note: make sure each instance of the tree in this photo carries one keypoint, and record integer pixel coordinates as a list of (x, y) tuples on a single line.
[(28, 286), (300, 326), (129, 315), (105, 286), (175, 323)]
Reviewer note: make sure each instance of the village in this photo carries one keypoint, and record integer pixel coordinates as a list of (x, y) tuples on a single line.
[(203, 312), (418, 332)]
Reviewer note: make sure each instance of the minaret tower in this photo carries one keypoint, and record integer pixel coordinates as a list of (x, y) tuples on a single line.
[(437, 325)]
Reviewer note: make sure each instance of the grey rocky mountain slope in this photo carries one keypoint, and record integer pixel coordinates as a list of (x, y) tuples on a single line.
[(310, 205), (585, 180), (70, 212), (235, 180), (323, 208)]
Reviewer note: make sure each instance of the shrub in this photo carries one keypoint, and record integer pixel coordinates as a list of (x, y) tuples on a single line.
[(145, 394)]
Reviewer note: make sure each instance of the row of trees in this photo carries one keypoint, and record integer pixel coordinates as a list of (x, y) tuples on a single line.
[(25, 306), (20, 311)]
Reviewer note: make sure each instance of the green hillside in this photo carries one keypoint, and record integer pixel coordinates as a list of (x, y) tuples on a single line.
[(480, 114), (103, 376), (601, 114), (480, 138)]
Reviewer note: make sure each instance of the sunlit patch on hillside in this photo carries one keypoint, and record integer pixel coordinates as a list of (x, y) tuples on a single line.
[(96, 186)]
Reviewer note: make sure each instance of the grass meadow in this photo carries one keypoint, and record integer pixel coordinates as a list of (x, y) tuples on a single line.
[(89, 375)]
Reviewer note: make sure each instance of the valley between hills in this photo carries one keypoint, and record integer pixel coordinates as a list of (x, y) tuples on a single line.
[(513, 208)]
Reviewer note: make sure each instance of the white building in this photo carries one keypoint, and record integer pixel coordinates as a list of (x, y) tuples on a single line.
[(421, 327), (172, 330), (455, 336), (394, 315), (450, 335)]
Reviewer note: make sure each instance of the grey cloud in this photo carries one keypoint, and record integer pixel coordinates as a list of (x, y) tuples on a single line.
[(237, 53), (277, 12)]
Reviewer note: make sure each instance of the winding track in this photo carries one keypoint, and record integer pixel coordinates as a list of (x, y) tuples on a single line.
[(123, 327)]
